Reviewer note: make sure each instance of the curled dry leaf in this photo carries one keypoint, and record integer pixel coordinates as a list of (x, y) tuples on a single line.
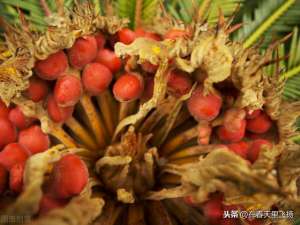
[(12, 81), (208, 50), (125, 196), (289, 167), (273, 89), (289, 112), (145, 49), (128, 167), (64, 29), (15, 70), (267, 159), (247, 76), (222, 170)]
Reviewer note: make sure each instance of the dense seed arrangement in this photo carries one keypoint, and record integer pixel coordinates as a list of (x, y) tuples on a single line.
[(117, 126)]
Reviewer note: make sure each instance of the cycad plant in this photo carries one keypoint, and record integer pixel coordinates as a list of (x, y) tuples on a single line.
[(147, 112)]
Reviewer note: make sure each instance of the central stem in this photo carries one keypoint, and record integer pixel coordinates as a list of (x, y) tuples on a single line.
[(128, 167)]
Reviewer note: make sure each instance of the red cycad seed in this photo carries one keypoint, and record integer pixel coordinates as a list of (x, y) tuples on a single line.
[(83, 51), (100, 39), (37, 90), (251, 114), (34, 139), (13, 154), (128, 87), (8, 132), (4, 110), (256, 147), (240, 148), (204, 107), (235, 136), (96, 78), (67, 90), (140, 32), (52, 67), (233, 119), (259, 124), (149, 67), (17, 117), (109, 59), (49, 203), (16, 177), (56, 113), (179, 83), (126, 36), (3, 179), (213, 210), (174, 34), (69, 176)]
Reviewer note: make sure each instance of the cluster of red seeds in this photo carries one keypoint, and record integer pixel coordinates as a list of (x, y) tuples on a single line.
[(59, 83), (20, 137), (242, 130), (97, 67), (94, 58)]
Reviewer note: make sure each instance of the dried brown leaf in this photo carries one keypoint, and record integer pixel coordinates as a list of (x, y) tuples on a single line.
[(64, 29), (247, 76), (289, 112), (222, 170), (15, 69), (273, 89)]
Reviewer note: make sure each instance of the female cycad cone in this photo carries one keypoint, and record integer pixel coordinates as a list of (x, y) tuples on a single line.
[(150, 124)]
